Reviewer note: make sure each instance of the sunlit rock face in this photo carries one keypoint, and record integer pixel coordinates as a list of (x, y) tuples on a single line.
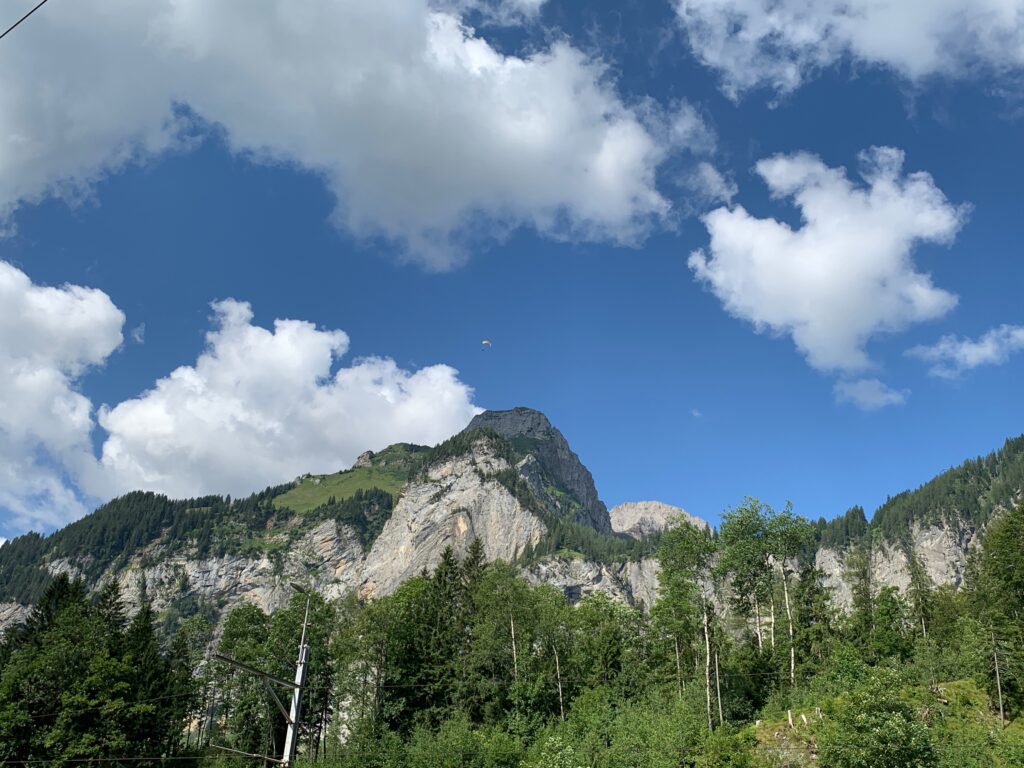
[(646, 518)]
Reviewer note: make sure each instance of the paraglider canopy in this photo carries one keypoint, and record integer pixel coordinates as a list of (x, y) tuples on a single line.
[(486, 343)]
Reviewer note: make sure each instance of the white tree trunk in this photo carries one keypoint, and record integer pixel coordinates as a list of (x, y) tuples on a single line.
[(718, 690), (757, 620), (789, 619), (707, 661), (515, 655), (773, 616)]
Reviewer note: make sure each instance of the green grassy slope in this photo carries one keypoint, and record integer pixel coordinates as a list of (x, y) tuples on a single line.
[(316, 490)]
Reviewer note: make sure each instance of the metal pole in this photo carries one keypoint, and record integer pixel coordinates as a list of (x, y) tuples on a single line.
[(291, 739)]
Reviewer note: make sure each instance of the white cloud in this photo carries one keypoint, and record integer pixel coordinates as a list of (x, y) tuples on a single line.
[(258, 407), (139, 333), (497, 12), (261, 407), (707, 187), (869, 394), (953, 355), (779, 43), (846, 273), (426, 134), (49, 337)]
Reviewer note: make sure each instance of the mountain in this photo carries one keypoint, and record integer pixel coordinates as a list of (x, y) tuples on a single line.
[(641, 519), (509, 480), (932, 529)]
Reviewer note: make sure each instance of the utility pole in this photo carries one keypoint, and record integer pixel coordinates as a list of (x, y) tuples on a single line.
[(291, 738), (291, 716)]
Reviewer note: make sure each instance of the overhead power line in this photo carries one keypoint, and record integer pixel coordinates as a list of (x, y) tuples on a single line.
[(15, 24)]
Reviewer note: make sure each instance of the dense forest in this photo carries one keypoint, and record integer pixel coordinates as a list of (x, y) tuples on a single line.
[(470, 666)]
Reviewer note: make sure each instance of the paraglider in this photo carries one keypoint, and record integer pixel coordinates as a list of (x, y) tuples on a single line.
[(485, 344)]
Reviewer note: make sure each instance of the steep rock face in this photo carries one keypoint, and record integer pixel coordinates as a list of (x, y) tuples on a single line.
[(942, 550), (11, 614), (531, 432), (457, 502), (644, 518), (327, 558), (634, 583)]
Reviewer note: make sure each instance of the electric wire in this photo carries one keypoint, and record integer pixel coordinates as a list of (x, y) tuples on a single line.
[(15, 24)]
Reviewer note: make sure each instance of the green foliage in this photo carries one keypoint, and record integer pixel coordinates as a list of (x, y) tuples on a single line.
[(315, 491), (841, 532), (79, 685), (115, 532), (874, 728), (366, 511), (970, 493)]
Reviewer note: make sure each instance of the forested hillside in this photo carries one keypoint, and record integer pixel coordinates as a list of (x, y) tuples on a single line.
[(964, 495), (470, 666)]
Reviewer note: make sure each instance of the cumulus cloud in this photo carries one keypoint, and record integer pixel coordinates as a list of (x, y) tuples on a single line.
[(868, 394), (846, 273), (262, 406), (258, 407), (49, 337), (952, 355), (779, 43), (425, 133)]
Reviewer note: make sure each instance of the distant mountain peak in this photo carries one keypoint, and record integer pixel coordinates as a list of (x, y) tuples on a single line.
[(644, 518)]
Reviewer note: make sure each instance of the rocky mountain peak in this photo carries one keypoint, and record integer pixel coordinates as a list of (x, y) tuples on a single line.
[(516, 422), (644, 518), (532, 434)]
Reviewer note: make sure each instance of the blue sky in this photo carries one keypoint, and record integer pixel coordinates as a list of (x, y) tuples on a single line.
[(541, 179)]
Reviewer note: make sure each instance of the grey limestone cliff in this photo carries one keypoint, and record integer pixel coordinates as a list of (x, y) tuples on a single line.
[(531, 433), (645, 518), (942, 551), (458, 500)]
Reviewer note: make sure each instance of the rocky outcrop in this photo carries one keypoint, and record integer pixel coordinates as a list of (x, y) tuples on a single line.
[(645, 518), (12, 614), (941, 549), (633, 583), (459, 501), (532, 433), (327, 558)]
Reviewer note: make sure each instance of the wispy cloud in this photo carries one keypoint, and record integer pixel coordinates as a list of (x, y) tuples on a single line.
[(868, 394), (952, 355)]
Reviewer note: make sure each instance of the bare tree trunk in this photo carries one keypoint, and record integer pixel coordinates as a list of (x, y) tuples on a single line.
[(679, 670), (773, 616), (757, 623), (789, 618), (558, 673), (999, 683), (707, 661), (718, 690), (924, 629), (515, 655)]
